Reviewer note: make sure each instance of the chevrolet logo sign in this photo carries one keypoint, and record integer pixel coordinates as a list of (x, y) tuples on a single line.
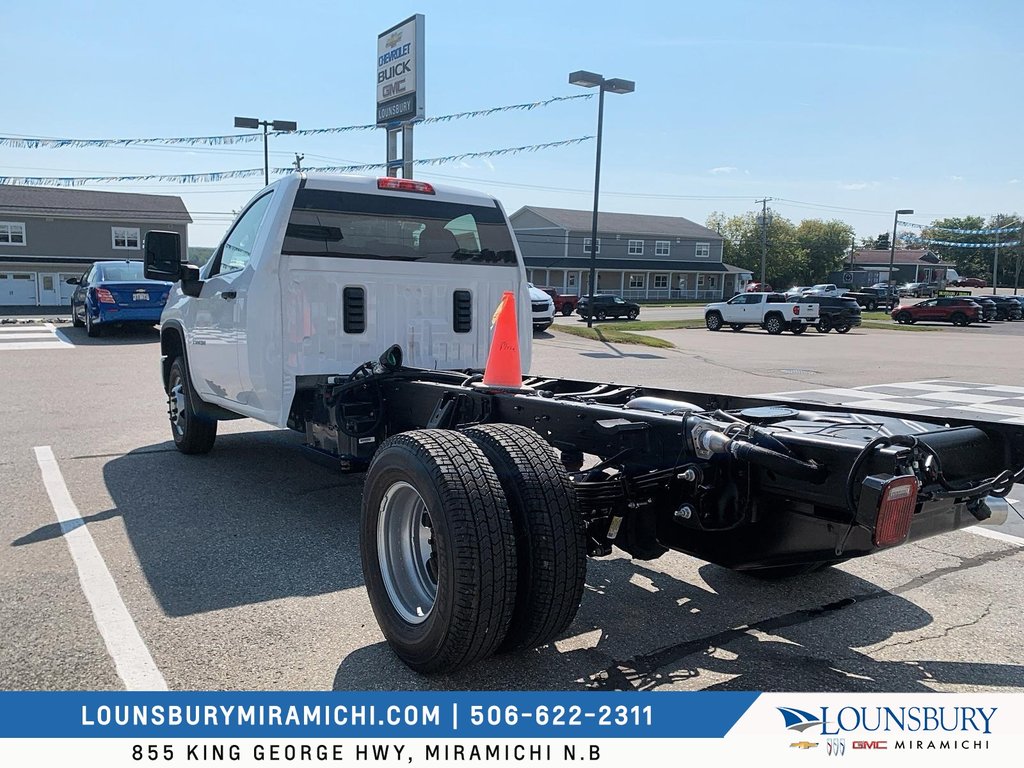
[(804, 744), (395, 39)]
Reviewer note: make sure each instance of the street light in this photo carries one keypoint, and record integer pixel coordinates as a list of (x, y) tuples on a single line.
[(611, 85), (892, 243), (277, 125)]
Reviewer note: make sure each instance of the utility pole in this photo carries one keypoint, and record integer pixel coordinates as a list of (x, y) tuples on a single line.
[(764, 220), (298, 161), (995, 260)]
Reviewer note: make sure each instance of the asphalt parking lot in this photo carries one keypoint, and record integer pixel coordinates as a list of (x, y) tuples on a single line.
[(240, 569)]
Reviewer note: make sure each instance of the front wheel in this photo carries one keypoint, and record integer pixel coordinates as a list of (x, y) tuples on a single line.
[(824, 325), (959, 319), (713, 321), (438, 550), (633, 314), (192, 432), (870, 306), (566, 310), (843, 328), (600, 314), (904, 318)]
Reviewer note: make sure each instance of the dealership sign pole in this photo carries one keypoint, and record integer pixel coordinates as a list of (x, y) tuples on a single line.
[(400, 90)]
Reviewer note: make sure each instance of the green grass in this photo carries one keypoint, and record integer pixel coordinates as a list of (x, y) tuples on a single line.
[(670, 303), (892, 325), (612, 335)]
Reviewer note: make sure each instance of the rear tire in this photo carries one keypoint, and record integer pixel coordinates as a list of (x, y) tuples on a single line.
[(796, 330), (566, 310), (843, 328), (632, 314), (736, 326), (959, 319), (774, 325), (74, 318), (438, 550), (91, 329), (713, 320), (870, 306), (192, 432), (600, 314), (550, 543), (824, 325)]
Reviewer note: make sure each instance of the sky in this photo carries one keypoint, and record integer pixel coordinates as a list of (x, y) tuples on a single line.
[(834, 109)]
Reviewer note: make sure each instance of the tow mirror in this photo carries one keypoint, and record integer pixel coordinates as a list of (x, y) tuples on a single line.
[(163, 256)]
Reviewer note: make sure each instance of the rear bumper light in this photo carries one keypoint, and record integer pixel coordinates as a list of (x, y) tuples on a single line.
[(103, 296)]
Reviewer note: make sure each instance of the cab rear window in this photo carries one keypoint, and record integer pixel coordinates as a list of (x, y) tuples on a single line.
[(350, 225)]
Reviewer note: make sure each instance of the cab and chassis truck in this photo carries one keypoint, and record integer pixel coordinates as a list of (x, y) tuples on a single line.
[(357, 311)]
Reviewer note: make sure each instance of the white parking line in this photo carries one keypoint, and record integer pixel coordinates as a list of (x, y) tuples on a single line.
[(998, 535), (131, 657), (33, 336)]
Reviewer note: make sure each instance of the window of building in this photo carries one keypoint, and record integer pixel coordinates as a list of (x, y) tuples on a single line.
[(636, 247), (703, 250), (636, 281), (711, 281), (572, 279), (586, 245), (661, 281), (662, 248), (700, 281), (12, 233), (125, 238)]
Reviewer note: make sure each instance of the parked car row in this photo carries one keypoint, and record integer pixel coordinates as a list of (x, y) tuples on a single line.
[(961, 311)]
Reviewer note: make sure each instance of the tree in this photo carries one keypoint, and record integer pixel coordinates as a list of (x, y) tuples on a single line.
[(825, 245), (968, 261), (882, 242), (787, 261)]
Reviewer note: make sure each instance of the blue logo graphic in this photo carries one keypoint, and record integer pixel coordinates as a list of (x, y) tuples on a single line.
[(797, 719)]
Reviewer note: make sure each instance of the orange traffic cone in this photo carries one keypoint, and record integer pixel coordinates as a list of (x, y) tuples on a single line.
[(503, 366)]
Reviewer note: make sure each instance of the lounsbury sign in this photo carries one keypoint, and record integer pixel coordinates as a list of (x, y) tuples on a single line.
[(400, 72)]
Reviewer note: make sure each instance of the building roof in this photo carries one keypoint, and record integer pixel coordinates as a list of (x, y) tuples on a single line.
[(624, 223), (628, 265), (87, 203), (902, 256)]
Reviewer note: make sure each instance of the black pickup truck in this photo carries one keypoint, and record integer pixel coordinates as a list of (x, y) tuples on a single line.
[(872, 298), (840, 314)]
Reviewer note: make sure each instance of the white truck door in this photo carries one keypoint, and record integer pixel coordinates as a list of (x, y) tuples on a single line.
[(217, 325), (732, 310)]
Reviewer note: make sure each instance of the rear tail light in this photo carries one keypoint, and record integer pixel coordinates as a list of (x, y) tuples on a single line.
[(103, 296), (895, 511), (404, 185), (796, 309)]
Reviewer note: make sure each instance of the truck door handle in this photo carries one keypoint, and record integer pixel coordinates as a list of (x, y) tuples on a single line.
[(228, 294)]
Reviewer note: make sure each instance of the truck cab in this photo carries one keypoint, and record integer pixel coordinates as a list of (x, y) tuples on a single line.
[(320, 273)]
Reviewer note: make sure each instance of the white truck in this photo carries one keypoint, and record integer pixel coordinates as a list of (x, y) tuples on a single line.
[(357, 312), (772, 311)]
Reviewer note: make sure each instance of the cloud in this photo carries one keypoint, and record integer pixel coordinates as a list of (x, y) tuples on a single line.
[(856, 185), (1013, 181), (723, 169), (488, 163), (955, 178)]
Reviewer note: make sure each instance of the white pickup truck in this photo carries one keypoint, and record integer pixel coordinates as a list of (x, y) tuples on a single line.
[(771, 311), (357, 311)]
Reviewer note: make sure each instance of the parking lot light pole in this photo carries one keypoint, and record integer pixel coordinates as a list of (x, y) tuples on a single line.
[(892, 243), (277, 125), (586, 79)]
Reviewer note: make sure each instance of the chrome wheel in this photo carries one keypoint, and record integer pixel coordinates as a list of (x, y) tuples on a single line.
[(176, 407), (405, 549)]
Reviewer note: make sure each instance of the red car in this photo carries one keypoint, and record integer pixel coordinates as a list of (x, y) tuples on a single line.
[(758, 288), (961, 312), (970, 282)]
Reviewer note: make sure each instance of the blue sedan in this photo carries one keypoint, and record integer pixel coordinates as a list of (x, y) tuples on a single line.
[(116, 293)]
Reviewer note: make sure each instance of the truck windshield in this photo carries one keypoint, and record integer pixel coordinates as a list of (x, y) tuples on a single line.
[(358, 226)]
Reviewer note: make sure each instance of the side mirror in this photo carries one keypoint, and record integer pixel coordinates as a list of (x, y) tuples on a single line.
[(163, 256), (191, 284), (73, 281)]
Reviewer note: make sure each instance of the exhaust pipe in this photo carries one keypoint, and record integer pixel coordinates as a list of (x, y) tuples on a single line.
[(998, 509)]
